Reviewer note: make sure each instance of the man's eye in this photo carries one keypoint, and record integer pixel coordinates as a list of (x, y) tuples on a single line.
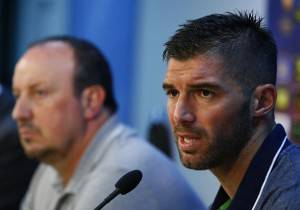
[(40, 93), (172, 93), (206, 93)]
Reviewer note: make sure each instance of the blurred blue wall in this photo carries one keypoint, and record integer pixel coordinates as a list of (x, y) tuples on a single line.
[(110, 24)]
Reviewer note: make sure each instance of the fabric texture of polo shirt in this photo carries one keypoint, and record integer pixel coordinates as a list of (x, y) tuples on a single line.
[(272, 181)]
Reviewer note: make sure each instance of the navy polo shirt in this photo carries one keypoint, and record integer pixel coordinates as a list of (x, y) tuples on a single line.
[(253, 180)]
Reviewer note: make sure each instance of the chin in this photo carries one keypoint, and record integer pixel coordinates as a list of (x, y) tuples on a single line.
[(32, 154), (192, 163), (198, 162), (37, 154), (195, 166)]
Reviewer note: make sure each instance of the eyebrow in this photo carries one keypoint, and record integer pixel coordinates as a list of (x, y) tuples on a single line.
[(167, 86), (202, 85), (31, 86)]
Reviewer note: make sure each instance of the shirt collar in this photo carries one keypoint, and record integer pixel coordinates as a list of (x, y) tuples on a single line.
[(256, 173)]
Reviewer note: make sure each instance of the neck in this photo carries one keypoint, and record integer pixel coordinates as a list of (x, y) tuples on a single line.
[(67, 165), (231, 174)]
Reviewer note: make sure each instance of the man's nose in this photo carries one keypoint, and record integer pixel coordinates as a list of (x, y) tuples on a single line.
[(22, 109), (183, 113)]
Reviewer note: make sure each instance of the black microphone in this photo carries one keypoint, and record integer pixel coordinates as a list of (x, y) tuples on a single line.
[(125, 184)]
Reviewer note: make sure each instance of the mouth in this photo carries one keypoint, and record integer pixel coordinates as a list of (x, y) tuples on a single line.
[(26, 133), (187, 143), (188, 140)]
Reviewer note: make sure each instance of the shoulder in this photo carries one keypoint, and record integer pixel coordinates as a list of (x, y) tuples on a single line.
[(292, 153), (283, 187), (128, 151), (128, 145), (161, 180), (155, 191), (287, 168)]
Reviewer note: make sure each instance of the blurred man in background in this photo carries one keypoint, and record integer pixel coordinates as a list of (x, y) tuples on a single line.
[(221, 92), (66, 115)]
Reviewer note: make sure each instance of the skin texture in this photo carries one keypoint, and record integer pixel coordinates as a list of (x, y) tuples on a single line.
[(54, 125), (214, 122)]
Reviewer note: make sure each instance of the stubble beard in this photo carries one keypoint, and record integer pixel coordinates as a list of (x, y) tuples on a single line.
[(225, 146), (40, 154)]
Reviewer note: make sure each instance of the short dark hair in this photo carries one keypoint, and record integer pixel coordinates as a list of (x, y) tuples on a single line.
[(247, 48), (91, 67)]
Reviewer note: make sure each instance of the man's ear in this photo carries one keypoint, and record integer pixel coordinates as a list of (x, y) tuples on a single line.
[(92, 100), (264, 99)]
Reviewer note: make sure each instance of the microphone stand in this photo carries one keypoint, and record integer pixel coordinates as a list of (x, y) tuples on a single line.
[(124, 185), (108, 199)]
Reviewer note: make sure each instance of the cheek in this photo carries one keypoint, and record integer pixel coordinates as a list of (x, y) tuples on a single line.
[(54, 124), (226, 123), (215, 119), (170, 109), (57, 118)]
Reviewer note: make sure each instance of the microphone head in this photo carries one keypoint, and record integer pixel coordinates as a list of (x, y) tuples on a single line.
[(129, 181)]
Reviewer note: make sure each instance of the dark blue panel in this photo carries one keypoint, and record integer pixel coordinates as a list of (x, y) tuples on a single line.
[(284, 20)]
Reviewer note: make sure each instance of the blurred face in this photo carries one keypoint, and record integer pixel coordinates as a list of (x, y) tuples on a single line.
[(208, 112), (48, 114)]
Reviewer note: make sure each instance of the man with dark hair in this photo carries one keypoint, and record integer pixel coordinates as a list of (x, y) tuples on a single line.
[(220, 84), (66, 115)]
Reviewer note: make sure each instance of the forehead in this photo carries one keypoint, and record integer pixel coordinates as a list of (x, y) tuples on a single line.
[(200, 71), (50, 62), (199, 67)]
